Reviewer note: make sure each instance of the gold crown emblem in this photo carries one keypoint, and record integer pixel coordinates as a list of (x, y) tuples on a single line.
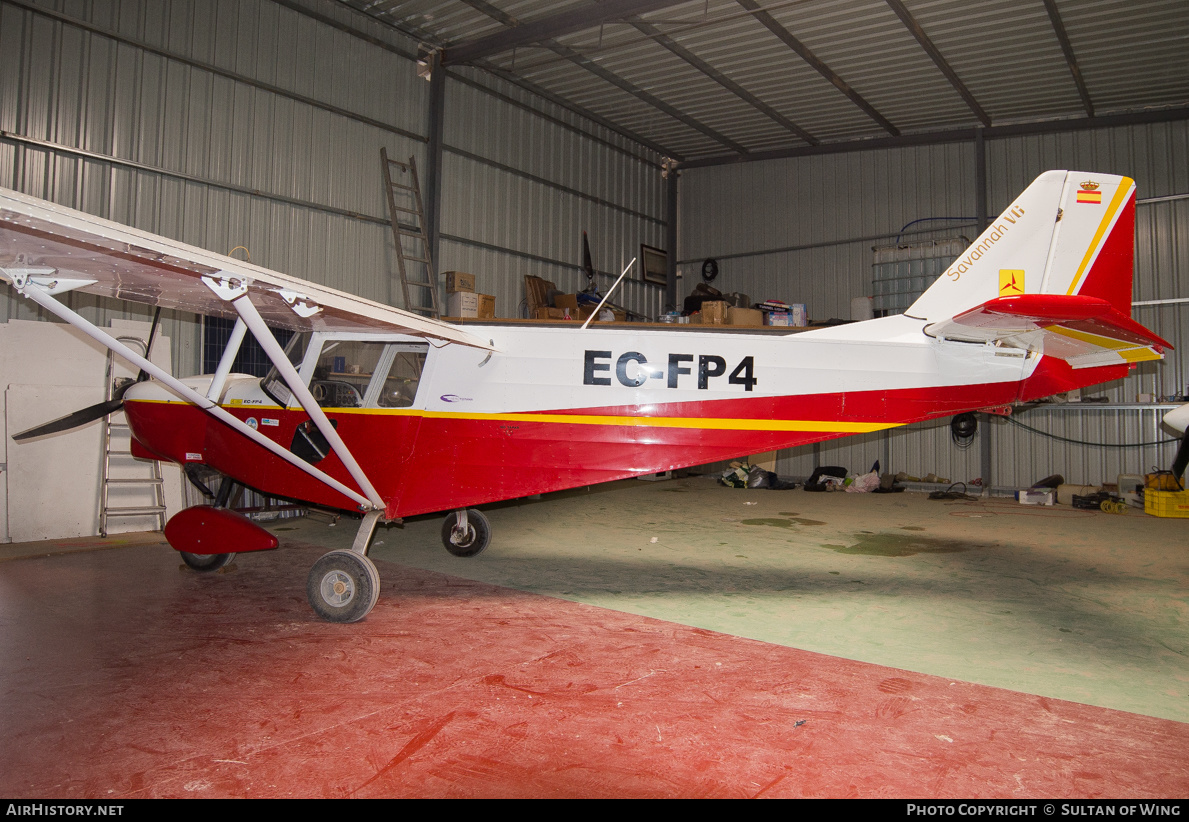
[(1089, 185)]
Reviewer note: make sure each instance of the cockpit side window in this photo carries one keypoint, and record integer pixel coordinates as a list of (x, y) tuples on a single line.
[(367, 374), (399, 386)]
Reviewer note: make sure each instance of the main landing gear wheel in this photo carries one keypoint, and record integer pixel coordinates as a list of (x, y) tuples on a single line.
[(468, 541), (206, 563), (343, 586)]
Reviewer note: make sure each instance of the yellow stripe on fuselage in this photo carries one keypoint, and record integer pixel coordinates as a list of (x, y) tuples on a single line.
[(710, 423), (703, 423)]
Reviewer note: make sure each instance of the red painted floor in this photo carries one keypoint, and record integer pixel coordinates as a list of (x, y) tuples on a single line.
[(124, 677)]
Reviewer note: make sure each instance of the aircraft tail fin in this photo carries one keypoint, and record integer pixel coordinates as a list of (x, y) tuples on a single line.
[(1052, 273)]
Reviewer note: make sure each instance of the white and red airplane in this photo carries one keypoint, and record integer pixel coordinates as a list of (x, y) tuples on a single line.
[(390, 414)]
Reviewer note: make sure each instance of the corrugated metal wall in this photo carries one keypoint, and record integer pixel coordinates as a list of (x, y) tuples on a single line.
[(520, 188), (248, 123), (802, 230), (228, 123)]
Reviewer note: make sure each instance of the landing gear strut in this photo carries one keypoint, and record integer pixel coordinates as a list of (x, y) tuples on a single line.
[(203, 563)]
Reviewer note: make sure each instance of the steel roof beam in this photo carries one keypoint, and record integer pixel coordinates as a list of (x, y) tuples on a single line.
[(957, 135), (641, 94), (913, 26), (1067, 50), (547, 28), (614, 79), (770, 23), (714, 74), (569, 105)]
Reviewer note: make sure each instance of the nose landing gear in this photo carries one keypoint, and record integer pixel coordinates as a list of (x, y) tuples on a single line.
[(466, 533)]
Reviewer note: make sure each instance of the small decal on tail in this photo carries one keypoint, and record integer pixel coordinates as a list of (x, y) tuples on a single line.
[(1011, 281), (1088, 193)]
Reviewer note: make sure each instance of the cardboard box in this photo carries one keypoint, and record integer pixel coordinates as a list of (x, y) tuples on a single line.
[(457, 281), (544, 312), (1161, 482), (775, 318), (744, 316), (462, 304), (714, 312), (487, 306), (569, 301)]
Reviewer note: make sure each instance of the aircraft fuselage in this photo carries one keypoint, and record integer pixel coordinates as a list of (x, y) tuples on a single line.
[(559, 407)]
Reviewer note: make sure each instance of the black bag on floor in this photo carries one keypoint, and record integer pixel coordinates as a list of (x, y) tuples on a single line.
[(814, 483)]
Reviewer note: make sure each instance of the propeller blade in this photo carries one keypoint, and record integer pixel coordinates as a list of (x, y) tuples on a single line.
[(74, 419), (587, 265), (99, 410), (1182, 458)]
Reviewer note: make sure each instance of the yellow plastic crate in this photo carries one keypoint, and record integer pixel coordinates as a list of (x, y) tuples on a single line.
[(1166, 503)]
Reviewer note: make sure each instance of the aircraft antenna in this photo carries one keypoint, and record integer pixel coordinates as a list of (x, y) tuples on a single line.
[(610, 291)]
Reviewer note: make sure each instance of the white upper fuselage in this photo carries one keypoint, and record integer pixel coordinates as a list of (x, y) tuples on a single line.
[(558, 368), (552, 368)]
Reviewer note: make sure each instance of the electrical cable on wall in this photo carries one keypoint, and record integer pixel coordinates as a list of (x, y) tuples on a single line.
[(963, 427), (1083, 442)]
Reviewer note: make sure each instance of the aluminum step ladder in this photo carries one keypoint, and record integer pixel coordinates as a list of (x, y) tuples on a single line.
[(117, 447), (417, 279)]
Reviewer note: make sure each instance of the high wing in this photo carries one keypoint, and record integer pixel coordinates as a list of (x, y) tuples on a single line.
[(63, 249), (47, 250), (1082, 330)]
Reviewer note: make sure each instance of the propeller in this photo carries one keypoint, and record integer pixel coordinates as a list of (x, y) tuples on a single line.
[(587, 265), (97, 411), (592, 289), (1178, 420), (1181, 460)]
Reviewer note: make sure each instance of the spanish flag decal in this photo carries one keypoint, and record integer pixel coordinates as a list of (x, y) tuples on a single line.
[(1088, 193)]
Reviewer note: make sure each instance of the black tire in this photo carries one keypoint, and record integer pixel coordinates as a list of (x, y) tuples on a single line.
[(343, 586), (477, 537), (206, 563)]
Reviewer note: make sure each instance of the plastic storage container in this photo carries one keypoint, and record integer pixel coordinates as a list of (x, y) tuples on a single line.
[(1166, 503)]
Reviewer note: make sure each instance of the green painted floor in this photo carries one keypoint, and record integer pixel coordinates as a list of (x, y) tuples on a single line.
[(1081, 606)]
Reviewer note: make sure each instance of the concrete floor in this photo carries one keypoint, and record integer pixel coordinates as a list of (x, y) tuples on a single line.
[(766, 644), (1052, 601)]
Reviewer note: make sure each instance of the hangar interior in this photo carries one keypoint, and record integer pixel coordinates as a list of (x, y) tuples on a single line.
[(788, 140)]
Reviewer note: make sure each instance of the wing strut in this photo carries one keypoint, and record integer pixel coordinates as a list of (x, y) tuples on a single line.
[(230, 352), (41, 294), (226, 289)]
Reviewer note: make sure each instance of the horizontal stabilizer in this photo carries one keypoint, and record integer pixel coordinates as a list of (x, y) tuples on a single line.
[(1084, 331)]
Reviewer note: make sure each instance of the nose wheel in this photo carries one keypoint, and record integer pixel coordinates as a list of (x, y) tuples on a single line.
[(343, 586), (466, 533)]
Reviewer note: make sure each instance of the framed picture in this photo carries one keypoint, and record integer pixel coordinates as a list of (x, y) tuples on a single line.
[(654, 265)]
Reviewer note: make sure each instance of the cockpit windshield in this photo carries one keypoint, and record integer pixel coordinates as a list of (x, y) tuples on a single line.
[(272, 383)]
